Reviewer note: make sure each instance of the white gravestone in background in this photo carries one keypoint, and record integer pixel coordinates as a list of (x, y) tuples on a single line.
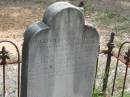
[(59, 55)]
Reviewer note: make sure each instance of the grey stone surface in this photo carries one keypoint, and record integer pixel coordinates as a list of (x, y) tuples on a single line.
[(59, 55)]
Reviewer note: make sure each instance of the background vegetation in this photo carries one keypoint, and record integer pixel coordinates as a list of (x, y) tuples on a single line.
[(110, 16)]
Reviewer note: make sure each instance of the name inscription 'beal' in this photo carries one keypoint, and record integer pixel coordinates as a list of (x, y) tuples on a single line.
[(43, 41)]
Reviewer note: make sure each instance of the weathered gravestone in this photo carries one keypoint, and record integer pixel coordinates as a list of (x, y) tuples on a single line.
[(59, 55)]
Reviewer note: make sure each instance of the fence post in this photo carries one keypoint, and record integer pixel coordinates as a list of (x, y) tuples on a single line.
[(3, 56), (110, 46)]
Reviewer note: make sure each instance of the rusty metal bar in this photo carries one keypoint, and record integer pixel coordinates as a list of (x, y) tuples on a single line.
[(106, 75), (12, 62), (18, 60), (119, 57)]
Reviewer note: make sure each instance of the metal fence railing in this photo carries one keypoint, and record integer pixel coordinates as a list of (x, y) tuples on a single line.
[(4, 57), (123, 58)]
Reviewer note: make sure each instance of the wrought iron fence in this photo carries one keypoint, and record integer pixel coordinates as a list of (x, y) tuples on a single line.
[(4, 57), (125, 59)]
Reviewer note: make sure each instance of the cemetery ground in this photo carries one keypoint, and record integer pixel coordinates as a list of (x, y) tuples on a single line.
[(15, 17)]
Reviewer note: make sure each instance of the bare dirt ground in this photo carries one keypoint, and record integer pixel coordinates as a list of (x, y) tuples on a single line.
[(15, 18)]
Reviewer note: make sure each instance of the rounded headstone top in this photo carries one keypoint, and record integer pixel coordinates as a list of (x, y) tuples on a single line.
[(56, 8)]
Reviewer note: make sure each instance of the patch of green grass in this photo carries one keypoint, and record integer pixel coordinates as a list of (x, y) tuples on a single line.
[(126, 94), (97, 93), (89, 6), (108, 18)]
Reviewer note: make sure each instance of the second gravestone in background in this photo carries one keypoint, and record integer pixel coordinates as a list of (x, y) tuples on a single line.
[(59, 55)]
